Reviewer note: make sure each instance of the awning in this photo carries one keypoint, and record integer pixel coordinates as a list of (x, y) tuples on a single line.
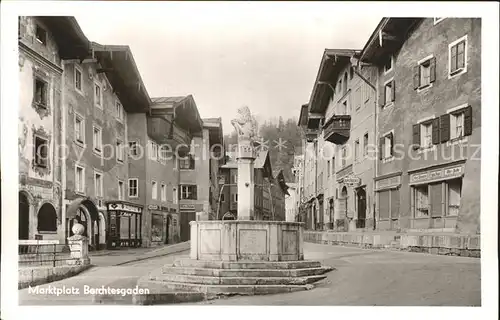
[(72, 208)]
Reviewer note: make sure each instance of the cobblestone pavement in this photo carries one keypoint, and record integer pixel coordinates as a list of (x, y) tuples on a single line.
[(123, 276), (381, 278)]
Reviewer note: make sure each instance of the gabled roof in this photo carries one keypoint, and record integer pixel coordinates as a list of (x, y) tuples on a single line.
[(332, 62), (71, 41), (117, 62), (261, 162), (393, 31), (184, 110)]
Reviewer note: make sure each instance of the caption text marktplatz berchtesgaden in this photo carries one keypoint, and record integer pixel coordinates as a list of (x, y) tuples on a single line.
[(87, 290)]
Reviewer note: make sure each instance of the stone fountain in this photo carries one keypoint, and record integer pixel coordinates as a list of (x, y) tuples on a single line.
[(242, 256)]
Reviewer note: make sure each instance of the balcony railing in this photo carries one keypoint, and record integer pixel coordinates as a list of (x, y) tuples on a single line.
[(337, 129)]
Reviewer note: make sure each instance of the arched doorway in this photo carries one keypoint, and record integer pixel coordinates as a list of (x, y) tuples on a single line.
[(24, 217), (47, 218), (86, 213), (361, 206)]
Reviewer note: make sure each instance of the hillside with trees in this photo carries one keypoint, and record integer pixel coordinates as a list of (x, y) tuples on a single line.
[(283, 138)]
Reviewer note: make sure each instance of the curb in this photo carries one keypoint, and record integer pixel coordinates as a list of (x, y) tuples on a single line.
[(151, 298), (154, 256)]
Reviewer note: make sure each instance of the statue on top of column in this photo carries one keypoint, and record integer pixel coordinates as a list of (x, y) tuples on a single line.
[(245, 125)]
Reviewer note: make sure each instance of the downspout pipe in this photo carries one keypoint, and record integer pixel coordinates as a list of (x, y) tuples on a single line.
[(375, 133)]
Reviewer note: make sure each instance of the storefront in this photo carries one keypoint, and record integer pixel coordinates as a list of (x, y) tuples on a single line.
[(387, 195), (162, 224), (435, 196), (124, 224)]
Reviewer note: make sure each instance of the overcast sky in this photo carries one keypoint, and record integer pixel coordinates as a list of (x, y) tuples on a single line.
[(227, 55)]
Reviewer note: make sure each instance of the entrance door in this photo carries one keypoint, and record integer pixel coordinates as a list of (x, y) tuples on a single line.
[(186, 217), (167, 228), (24, 217), (361, 208)]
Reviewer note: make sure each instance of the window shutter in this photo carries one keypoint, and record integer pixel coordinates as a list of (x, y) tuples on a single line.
[(381, 148), (436, 194), (433, 69), (468, 121), (435, 131), (391, 138), (416, 136), (416, 77), (445, 127), (393, 91)]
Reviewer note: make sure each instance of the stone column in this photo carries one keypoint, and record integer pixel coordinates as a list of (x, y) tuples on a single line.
[(79, 246), (246, 158)]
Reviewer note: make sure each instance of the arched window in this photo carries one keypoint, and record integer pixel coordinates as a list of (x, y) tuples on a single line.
[(47, 218)]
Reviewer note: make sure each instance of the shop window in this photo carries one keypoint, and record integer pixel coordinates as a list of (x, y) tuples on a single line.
[(41, 152), (454, 196), (40, 92), (156, 227), (421, 201)]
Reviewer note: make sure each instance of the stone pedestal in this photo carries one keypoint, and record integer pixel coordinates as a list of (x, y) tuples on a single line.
[(79, 246)]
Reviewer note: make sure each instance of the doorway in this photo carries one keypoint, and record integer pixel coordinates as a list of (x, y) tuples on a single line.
[(361, 204), (24, 217), (167, 228)]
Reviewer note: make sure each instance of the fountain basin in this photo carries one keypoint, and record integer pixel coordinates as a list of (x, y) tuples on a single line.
[(247, 240)]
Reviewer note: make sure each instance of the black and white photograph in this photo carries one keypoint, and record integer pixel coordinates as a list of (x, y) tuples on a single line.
[(196, 154)]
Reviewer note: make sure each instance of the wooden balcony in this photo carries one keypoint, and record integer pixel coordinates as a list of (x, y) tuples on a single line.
[(311, 134), (167, 133), (337, 129)]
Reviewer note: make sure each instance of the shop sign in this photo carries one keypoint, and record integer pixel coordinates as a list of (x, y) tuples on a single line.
[(351, 181), (124, 207), (187, 207), (437, 175), (153, 207)]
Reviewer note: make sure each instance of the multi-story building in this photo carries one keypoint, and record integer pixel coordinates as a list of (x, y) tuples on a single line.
[(157, 140), (339, 124), (199, 176), (429, 123), (44, 43)]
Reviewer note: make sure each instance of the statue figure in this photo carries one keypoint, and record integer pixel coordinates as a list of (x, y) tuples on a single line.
[(245, 125)]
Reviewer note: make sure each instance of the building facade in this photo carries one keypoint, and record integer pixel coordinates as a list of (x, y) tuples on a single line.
[(43, 47), (429, 130)]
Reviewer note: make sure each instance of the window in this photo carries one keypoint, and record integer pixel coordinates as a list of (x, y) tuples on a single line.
[(97, 138), (344, 156), (154, 190), (222, 199), (187, 163), (174, 195), (41, 152), (163, 153), (457, 57), (41, 35), (98, 184), (356, 149), (234, 177), (132, 145), (388, 64), (365, 144), (424, 73), (41, 93), (153, 150), (79, 179), (79, 128), (457, 125), (421, 201), (235, 197), (188, 192), (388, 146), (426, 135), (389, 92), (78, 79), (357, 98), (119, 111), (119, 150), (97, 95), (133, 188), (454, 196), (121, 190), (163, 192)]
